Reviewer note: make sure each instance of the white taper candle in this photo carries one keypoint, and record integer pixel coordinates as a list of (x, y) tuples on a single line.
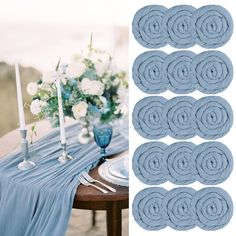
[(61, 114), (19, 98)]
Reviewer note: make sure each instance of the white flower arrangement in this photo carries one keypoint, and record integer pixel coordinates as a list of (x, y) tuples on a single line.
[(90, 89)]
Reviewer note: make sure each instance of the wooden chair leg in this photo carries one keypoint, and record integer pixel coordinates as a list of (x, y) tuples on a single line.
[(94, 218)]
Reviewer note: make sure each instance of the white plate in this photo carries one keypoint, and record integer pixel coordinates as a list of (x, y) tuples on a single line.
[(104, 172), (117, 168)]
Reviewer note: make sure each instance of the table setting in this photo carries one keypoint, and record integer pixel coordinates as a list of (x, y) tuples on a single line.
[(39, 182), (115, 171)]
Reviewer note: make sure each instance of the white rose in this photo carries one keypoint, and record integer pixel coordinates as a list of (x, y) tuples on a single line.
[(80, 110), (91, 87), (49, 76), (32, 89), (75, 70), (36, 106)]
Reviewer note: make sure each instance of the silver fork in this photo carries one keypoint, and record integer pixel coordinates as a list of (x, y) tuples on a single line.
[(86, 183), (92, 180)]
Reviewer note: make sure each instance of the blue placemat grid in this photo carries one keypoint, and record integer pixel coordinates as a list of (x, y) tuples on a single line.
[(182, 72), (182, 163)]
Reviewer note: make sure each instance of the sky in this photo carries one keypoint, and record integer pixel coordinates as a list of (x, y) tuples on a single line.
[(38, 32), (66, 11)]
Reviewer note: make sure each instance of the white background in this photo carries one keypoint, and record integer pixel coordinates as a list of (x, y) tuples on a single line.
[(136, 140)]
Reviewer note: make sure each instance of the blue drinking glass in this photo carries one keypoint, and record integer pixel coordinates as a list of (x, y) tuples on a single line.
[(102, 137)]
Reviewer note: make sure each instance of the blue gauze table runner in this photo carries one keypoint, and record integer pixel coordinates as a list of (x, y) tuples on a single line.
[(39, 201)]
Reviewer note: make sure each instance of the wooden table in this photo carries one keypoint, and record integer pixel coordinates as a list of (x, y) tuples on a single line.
[(89, 198), (86, 198)]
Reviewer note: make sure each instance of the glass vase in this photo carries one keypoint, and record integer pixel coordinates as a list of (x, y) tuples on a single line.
[(85, 135)]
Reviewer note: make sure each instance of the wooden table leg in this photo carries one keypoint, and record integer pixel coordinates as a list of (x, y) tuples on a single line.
[(114, 223), (93, 218)]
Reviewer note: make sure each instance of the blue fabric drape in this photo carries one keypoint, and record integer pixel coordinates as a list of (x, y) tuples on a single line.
[(38, 202)]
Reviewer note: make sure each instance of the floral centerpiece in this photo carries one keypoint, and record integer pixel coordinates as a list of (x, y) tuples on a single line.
[(91, 89)]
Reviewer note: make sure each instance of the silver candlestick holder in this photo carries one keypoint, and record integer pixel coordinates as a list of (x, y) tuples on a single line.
[(65, 157), (26, 164)]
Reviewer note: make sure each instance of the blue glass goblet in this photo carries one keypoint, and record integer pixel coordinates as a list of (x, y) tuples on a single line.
[(102, 137)]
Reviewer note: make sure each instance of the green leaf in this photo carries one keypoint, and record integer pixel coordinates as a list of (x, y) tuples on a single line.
[(91, 74)]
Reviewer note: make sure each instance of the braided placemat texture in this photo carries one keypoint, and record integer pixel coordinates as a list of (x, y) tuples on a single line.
[(182, 26), (182, 208), (182, 72), (182, 117), (182, 163)]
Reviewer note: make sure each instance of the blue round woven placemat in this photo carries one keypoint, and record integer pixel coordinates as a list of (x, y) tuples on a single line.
[(213, 208), (147, 117), (177, 208), (177, 69), (177, 115), (213, 26), (148, 163), (147, 26), (182, 26), (147, 208), (213, 71), (182, 163), (178, 27), (147, 72), (179, 163), (213, 162), (212, 117), (182, 208)]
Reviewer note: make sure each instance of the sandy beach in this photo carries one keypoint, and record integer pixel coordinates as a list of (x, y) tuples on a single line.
[(80, 223)]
